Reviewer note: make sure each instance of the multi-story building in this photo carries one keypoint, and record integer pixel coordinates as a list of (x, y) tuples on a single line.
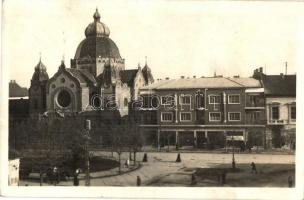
[(203, 112), (280, 95)]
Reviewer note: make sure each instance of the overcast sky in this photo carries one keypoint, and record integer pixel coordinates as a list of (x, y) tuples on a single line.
[(178, 37)]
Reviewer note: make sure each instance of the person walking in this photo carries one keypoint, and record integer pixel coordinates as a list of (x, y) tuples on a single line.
[(253, 168), (138, 181), (290, 181), (76, 180)]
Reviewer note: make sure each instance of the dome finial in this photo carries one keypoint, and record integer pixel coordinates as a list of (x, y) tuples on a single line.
[(40, 56), (146, 61), (96, 15)]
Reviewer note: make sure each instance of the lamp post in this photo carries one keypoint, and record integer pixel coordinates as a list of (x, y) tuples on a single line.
[(233, 160), (87, 159)]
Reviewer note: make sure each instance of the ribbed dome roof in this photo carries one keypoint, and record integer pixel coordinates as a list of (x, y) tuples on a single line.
[(97, 28), (40, 73), (97, 42), (97, 46)]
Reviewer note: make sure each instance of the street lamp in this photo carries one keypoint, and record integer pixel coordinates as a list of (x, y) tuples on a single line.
[(87, 159), (233, 160)]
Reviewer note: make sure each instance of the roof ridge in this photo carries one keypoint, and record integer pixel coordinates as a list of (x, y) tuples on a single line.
[(234, 81)]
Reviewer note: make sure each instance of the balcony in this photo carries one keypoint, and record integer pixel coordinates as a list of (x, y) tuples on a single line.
[(256, 121), (277, 121), (255, 105)]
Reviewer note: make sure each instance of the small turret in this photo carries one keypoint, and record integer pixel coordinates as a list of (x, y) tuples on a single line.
[(147, 74), (37, 90)]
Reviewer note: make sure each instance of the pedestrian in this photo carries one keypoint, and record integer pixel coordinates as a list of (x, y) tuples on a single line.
[(223, 178), (253, 168), (138, 181), (193, 179), (145, 158), (76, 180), (178, 159), (290, 181)]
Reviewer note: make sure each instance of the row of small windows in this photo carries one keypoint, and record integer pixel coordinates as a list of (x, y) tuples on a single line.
[(168, 116), (213, 99), (232, 116), (213, 116)]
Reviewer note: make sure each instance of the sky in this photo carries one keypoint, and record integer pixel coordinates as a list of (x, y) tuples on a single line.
[(179, 38)]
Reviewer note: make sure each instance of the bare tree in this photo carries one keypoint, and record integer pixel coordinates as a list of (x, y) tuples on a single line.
[(118, 141), (134, 138)]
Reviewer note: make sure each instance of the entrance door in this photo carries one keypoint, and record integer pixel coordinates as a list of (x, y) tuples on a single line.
[(276, 137), (201, 139), (186, 138)]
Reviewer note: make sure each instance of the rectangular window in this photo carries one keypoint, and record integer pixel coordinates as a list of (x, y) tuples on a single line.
[(166, 117), (185, 116), (214, 99), (185, 99), (167, 100), (234, 116), (233, 98), (293, 113), (275, 112), (255, 116), (214, 116), (253, 100)]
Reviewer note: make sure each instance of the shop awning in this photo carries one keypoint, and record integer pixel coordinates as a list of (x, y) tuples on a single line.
[(235, 138)]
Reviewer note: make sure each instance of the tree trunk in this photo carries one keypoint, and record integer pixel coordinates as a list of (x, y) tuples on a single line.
[(130, 154), (119, 168), (134, 156)]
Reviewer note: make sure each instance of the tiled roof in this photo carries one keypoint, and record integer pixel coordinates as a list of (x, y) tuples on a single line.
[(279, 85), (77, 74), (88, 75), (206, 82), (15, 90), (127, 76)]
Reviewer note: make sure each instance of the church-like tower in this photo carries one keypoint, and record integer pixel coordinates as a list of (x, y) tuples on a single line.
[(37, 90)]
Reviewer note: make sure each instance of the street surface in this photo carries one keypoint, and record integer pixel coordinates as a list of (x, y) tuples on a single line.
[(163, 164)]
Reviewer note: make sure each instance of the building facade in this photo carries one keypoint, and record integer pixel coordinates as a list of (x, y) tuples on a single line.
[(280, 97), (204, 112)]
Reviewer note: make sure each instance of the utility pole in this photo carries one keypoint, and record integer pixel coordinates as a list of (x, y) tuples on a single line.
[(87, 155)]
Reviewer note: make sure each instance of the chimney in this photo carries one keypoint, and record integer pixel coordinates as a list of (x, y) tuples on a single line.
[(182, 77)]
